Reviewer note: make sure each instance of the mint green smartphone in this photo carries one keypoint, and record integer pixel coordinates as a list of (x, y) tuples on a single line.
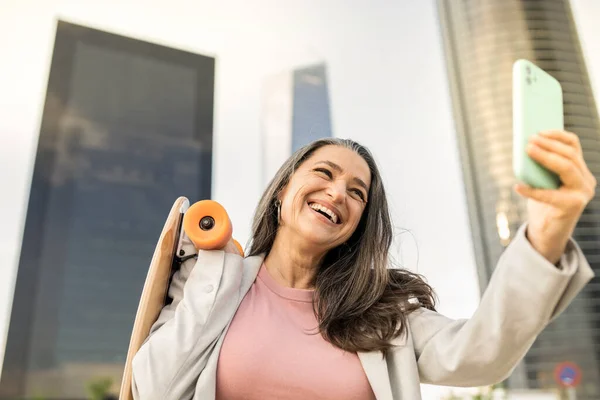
[(537, 106)]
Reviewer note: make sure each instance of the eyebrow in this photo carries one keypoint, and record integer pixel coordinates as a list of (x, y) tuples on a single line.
[(339, 169)]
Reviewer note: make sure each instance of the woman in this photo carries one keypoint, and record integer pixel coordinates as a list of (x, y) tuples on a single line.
[(315, 312)]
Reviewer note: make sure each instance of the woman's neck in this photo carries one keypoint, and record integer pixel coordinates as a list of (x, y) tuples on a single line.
[(292, 264)]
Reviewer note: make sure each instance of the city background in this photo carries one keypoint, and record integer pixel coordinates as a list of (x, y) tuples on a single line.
[(110, 111)]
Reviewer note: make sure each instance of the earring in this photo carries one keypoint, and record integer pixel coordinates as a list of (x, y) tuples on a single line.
[(278, 206)]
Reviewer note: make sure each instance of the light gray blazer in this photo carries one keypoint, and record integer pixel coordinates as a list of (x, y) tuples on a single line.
[(179, 359)]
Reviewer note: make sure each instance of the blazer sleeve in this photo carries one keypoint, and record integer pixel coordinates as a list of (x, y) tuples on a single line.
[(525, 293), (204, 292)]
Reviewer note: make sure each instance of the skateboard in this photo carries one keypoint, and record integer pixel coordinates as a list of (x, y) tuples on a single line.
[(208, 226)]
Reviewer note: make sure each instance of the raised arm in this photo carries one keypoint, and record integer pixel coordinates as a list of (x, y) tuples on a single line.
[(525, 293), (535, 279)]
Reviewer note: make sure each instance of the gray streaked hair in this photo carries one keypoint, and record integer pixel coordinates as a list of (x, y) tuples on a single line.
[(360, 303)]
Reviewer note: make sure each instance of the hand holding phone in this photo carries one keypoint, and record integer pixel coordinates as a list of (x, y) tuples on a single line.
[(548, 161), (537, 106)]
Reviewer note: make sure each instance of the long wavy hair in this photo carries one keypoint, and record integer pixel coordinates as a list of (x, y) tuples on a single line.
[(360, 302)]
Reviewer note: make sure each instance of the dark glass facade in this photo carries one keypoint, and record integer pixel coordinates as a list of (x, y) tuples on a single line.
[(311, 118), (127, 128)]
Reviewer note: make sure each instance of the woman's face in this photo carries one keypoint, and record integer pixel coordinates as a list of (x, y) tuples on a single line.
[(326, 196)]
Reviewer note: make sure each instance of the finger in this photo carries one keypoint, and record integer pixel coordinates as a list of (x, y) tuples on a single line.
[(568, 202), (559, 147), (568, 138), (572, 140), (546, 196), (566, 169)]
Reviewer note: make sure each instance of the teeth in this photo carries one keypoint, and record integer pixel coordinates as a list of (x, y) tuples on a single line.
[(318, 207)]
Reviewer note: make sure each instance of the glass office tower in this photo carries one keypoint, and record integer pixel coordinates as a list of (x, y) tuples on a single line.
[(482, 40)]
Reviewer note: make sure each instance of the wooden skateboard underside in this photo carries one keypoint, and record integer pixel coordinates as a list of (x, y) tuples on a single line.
[(155, 288)]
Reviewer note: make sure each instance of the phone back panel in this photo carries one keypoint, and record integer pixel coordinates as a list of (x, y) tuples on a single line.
[(537, 106)]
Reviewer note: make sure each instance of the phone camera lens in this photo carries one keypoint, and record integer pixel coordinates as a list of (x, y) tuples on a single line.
[(528, 80), (528, 69)]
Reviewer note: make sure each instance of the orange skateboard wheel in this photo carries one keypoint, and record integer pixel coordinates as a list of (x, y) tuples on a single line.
[(207, 225)]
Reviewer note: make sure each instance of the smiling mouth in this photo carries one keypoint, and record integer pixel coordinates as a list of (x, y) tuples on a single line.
[(326, 212)]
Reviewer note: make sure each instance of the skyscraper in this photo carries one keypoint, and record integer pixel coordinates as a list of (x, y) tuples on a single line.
[(295, 111), (482, 40), (127, 128)]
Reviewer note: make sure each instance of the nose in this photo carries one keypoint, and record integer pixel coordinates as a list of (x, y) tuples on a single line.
[(337, 191)]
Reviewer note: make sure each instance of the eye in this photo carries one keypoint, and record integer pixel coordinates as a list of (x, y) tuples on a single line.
[(324, 171), (359, 193)]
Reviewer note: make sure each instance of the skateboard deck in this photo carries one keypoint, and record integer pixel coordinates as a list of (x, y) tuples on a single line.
[(155, 288)]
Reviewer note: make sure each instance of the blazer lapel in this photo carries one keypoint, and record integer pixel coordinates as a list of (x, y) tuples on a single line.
[(375, 367)]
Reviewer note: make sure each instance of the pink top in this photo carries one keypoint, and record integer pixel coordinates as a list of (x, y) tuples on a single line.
[(271, 351)]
